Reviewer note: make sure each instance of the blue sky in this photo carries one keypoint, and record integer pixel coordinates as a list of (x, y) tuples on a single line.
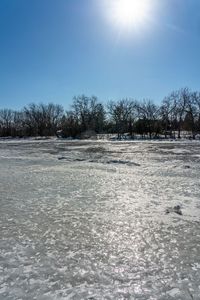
[(52, 50)]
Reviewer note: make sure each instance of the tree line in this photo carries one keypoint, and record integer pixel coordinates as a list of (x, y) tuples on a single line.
[(178, 112)]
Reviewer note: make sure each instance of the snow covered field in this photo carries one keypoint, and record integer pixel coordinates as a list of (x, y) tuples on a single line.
[(87, 220)]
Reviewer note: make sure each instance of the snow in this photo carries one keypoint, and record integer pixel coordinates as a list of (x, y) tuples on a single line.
[(92, 225)]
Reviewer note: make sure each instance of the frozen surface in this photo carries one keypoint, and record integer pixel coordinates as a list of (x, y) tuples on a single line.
[(86, 220)]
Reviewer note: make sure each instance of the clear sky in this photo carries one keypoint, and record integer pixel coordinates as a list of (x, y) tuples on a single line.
[(52, 50)]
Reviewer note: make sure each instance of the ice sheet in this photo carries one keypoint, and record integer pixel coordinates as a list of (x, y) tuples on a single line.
[(86, 220)]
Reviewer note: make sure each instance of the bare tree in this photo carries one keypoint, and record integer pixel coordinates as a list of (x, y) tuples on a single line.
[(168, 114), (181, 100), (194, 109), (122, 113), (191, 113), (69, 125), (6, 121), (89, 112), (42, 119), (148, 112)]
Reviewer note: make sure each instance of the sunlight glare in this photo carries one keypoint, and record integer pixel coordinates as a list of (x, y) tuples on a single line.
[(130, 13)]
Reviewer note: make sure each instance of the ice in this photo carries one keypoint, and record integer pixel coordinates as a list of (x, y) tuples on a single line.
[(93, 225), (174, 292)]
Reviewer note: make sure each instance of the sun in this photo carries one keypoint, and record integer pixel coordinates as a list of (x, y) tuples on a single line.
[(130, 13)]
